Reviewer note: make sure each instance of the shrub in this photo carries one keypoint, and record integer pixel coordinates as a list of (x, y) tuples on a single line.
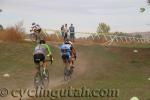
[(15, 33)]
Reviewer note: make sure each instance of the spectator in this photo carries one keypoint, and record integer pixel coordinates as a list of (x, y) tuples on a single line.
[(66, 32), (1, 27), (72, 32), (62, 30)]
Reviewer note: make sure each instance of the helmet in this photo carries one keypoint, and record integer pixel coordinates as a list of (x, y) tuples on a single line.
[(70, 43), (33, 23), (42, 42), (66, 41)]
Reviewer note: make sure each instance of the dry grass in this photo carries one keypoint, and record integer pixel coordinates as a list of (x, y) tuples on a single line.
[(54, 38), (15, 33)]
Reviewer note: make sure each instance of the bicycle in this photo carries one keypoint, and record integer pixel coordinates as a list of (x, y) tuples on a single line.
[(41, 78), (36, 36), (68, 71), (33, 37)]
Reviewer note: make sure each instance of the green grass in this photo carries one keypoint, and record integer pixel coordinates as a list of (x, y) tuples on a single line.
[(102, 67), (136, 45), (17, 60), (113, 68)]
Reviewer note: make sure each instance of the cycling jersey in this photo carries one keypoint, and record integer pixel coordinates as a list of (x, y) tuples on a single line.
[(71, 28), (41, 49), (66, 49), (35, 27), (66, 30)]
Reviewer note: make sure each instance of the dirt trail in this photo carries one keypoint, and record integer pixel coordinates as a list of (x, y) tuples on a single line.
[(80, 64), (80, 68)]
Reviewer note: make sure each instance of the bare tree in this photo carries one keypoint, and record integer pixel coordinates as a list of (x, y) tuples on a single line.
[(143, 9), (103, 28), (148, 1)]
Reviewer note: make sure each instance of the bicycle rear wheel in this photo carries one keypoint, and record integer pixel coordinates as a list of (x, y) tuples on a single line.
[(45, 78), (71, 70), (37, 80), (66, 73)]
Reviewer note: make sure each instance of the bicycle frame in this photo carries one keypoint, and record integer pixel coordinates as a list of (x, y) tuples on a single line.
[(40, 75)]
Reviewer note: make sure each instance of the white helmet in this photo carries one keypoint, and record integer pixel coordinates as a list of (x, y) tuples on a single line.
[(33, 23), (70, 43)]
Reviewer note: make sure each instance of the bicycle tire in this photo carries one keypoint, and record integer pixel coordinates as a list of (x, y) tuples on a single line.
[(45, 79), (66, 74), (37, 80)]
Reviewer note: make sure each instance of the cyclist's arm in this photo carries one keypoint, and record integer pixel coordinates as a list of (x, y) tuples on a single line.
[(31, 30), (48, 49), (49, 52), (33, 52), (73, 51)]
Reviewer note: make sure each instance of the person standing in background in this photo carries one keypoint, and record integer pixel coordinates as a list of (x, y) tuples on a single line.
[(66, 32), (62, 30), (1, 27), (72, 32)]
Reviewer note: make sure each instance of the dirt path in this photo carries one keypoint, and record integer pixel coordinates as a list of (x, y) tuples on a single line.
[(78, 71)]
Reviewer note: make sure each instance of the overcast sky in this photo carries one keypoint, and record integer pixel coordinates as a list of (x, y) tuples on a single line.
[(121, 15)]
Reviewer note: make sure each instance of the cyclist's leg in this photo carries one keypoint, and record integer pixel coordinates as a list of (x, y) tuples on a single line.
[(35, 36), (43, 63), (72, 58), (39, 59), (37, 68), (64, 59), (68, 58), (36, 58), (72, 61)]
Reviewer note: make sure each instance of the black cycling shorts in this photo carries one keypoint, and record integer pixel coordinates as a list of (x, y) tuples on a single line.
[(66, 58), (38, 58)]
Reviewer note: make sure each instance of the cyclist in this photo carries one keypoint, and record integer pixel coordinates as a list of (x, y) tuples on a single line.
[(68, 53), (37, 32), (40, 54), (35, 28)]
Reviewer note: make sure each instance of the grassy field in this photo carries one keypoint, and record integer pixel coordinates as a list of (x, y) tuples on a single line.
[(97, 67)]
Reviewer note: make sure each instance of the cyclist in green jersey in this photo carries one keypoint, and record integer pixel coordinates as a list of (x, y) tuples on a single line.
[(40, 53)]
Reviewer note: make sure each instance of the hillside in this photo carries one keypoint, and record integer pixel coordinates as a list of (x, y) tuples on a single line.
[(97, 67)]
